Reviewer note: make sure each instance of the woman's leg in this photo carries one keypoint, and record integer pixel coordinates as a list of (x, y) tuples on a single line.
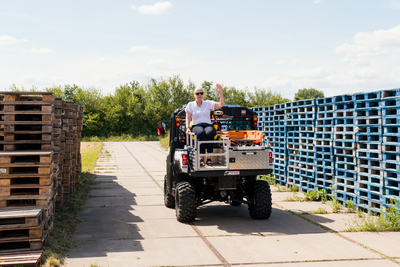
[(201, 136), (210, 134)]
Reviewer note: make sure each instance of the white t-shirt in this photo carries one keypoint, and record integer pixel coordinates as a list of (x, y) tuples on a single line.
[(201, 114)]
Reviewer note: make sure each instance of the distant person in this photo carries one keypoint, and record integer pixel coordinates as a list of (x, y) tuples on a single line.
[(199, 112)]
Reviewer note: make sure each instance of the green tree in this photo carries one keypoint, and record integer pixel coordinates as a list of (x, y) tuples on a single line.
[(310, 93), (262, 97)]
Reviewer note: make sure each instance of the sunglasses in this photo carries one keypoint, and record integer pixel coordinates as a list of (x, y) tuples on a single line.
[(201, 93)]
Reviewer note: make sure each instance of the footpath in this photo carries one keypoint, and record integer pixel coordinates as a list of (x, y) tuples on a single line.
[(125, 223)]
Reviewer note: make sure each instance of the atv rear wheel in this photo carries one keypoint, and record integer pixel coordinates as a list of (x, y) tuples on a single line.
[(261, 196), (185, 202), (169, 200)]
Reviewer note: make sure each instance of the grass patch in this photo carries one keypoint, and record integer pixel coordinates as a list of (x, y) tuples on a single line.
[(388, 221), (90, 153), (319, 211), (293, 188), (268, 178), (293, 198), (164, 140), (350, 206), (316, 195), (121, 138), (60, 240), (334, 202)]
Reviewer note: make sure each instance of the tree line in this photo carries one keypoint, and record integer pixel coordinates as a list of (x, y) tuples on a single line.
[(136, 108)]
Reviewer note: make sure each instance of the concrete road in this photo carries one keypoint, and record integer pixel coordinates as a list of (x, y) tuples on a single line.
[(125, 223)]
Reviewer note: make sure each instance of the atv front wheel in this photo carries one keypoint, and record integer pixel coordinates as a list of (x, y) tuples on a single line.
[(261, 197), (185, 202), (169, 200)]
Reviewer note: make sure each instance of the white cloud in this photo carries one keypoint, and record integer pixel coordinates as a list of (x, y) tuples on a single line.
[(394, 4), (141, 48), (7, 40), (156, 9), (365, 73), (356, 61), (42, 50), (381, 38), (317, 1), (316, 73), (368, 44), (36, 79), (284, 62)]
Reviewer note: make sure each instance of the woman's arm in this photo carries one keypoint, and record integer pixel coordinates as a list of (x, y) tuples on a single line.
[(221, 102), (188, 119)]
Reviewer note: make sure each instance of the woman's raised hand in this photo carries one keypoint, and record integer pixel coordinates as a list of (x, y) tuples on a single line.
[(219, 87)]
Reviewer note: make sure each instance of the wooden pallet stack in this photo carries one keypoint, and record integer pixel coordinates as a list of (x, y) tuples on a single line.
[(39, 168), (79, 128), (27, 185), (68, 107), (57, 130)]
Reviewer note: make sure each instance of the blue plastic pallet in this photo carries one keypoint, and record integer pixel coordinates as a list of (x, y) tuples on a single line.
[(325, 108), (369, 154), (346, 174), (393, 102), (368, 137), (391, 156), (345, 129), (390, 93), (371, 179), (391, 120), (391, 137), (324, 101), (391, 111), (370, 112), (344, 121), (342, 98), (367, 104), (366, 162), (328, 129), (324, 163), (391, 165), (330, 170), (368, 121), (367, 96)]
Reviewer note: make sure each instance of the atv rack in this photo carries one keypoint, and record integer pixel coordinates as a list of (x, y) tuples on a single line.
[(220, 155)]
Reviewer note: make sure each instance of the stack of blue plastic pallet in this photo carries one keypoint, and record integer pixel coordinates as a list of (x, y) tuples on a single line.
[(344, 148), (323, 144), (292, 143), (368, 124), (390, 104), (279, 144), (350, 142)]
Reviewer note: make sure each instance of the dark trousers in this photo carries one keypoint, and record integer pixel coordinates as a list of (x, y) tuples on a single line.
[(203, 131)]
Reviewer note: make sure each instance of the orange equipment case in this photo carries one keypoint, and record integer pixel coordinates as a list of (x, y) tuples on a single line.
[(244, 136)]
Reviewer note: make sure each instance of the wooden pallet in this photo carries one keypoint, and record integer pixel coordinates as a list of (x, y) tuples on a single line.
[(18, 243), (15, 169), (27, 96), (26, 127), (26, 189), (21, 258), (20, 217), (21, 146), (25, 137), (26, 156), (27, 106), (18, 233), (25, 200)]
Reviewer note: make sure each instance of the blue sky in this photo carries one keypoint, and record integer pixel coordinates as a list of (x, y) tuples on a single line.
[(332, 45)]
